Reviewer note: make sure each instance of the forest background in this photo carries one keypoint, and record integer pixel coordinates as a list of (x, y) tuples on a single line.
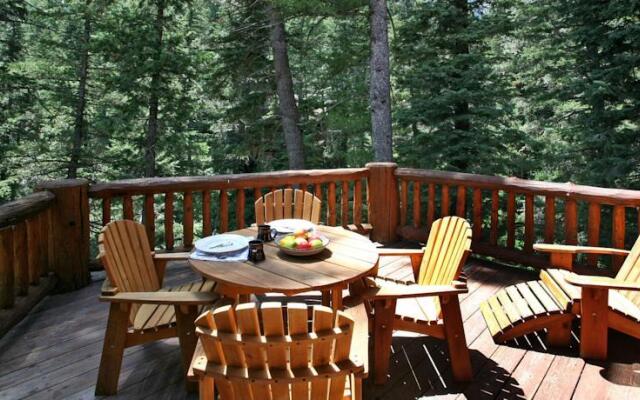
[(539, 89)]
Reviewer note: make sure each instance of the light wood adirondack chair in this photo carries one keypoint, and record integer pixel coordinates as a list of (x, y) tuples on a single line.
[(429, 305), (255, 354), (142, 311), (601, 302), (287, 203)]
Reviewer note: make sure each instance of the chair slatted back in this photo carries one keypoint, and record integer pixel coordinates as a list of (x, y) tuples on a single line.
[(447, 247), (273, 353), (287, 203), (126, 256), (630, 272)]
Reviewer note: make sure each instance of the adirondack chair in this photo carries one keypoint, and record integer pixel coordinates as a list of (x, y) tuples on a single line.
[(600, 302), (255, 354), (429, 305), (141, 311), (287, 203)]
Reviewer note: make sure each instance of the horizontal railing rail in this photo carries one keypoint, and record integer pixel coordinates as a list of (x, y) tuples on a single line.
[(231, 181), (223, 202), (624, 197), (18, 210), (509, 215)]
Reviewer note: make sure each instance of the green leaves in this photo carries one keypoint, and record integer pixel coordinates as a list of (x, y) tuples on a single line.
[(546, 89)]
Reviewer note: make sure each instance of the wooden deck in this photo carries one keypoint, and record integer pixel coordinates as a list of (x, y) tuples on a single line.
[(54, 354)]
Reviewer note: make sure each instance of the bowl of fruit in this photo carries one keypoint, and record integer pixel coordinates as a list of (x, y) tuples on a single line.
[(302, 243)]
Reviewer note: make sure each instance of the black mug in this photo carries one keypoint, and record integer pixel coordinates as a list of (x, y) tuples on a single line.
[(256, 250), (265, 233)]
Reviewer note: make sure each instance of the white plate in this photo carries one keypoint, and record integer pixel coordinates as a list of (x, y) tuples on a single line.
[(284, 226), (225, 243)]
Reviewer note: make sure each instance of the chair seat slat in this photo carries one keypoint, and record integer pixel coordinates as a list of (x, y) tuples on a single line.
[(283, 376)]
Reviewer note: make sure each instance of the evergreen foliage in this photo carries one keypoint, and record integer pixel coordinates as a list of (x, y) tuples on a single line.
[(545, 89)]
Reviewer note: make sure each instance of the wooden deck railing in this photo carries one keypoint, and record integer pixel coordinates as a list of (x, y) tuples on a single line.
[(509, 215), (25, 251), (223, 202), (49, 231)]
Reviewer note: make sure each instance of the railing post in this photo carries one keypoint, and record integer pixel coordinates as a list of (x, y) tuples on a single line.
[(383, 201), (70, 230), (7, 278)]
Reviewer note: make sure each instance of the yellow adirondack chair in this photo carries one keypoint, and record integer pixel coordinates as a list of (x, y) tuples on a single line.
[(142, 311), (429, 305), (254, 354), (605, 302), (287, 203), (601, 302)]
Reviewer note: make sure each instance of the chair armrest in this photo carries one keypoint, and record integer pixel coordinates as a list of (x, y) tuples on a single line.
[(171, 256), (566, 249), (414, 254), (162, 297), (107, 289), (400, 252), (390, 290), (603, 282)]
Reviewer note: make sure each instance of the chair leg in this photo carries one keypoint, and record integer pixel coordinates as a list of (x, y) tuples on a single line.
[(113, 349), (454, 333), (206, 388), (356, 387), (185, 317), (326, 298), (336, 298), (594, 325), (384, 311), (559, 335)]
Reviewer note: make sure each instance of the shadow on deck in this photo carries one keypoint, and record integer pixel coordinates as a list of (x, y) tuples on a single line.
[(54, 354)]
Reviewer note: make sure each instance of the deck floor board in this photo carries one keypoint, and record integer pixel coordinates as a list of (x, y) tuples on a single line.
[(54, 354)]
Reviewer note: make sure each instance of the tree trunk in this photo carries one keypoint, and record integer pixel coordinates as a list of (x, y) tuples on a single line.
[(79, 129), (152, 129), (380, 86), (286, 98)]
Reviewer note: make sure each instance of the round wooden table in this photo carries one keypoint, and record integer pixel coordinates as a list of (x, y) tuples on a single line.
[(348, 257)]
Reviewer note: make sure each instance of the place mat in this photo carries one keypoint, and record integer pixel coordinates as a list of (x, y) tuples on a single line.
[(241, 256)]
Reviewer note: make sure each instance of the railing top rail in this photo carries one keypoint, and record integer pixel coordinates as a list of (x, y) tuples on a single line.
[(233, 181), (630, 198), (20, 209)]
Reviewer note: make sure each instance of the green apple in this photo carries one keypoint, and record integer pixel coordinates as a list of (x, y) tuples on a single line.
[(316, 243), (288, 242)]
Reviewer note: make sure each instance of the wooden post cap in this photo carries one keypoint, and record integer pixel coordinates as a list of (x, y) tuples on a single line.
[(61, 184), (381, 164)]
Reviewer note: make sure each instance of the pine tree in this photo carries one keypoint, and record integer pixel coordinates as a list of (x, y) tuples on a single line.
[(453, 103)]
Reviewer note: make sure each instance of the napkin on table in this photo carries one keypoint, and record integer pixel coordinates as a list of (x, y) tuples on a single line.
[(241, 255)]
